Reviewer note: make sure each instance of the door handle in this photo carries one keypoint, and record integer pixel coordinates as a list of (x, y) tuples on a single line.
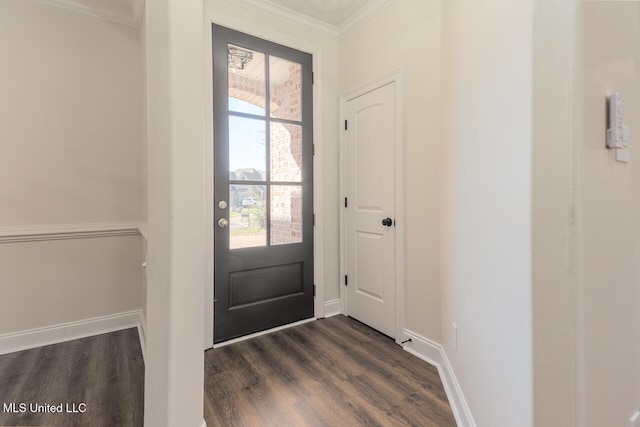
[(387, 222), (222, 222)]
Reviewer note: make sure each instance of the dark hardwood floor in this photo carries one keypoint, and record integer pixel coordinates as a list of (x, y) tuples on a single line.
[(106, 372), (331, 372)]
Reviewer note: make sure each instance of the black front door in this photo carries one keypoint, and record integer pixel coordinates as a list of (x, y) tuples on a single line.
[(263, 159)]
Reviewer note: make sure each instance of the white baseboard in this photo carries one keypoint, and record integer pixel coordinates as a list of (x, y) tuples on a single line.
[(433, 353), (32, 338), (333, 307)]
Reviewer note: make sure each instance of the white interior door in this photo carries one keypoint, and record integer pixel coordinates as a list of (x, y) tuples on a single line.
[(370, 208)]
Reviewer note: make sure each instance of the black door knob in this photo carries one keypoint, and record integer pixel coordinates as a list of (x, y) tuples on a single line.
[(387, 222)]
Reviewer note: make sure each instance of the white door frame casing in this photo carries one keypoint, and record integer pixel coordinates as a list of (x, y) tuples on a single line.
[(397, 78), (234, 23)]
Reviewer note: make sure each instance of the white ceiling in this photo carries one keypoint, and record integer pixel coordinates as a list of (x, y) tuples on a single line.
[(332, 12), (335, 17)]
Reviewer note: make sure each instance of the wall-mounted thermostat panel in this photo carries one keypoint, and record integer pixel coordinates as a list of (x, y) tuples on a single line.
[(618, 133)]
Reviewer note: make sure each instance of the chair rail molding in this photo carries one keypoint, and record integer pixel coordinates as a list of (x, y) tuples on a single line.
[(68, 231)]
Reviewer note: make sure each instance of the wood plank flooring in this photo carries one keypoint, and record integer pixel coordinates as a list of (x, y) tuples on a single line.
[(106, 372), (331, 372)]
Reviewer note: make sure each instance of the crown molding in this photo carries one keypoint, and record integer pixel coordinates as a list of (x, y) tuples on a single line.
[(131, 18), (268, 8), (363, 15)]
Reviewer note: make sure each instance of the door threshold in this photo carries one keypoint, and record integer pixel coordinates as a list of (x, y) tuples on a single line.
[(268, 331)]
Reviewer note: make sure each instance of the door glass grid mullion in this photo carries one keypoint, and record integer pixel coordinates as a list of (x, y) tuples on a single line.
[(277, 194), (246, 115), (268, 145), (285, 121)]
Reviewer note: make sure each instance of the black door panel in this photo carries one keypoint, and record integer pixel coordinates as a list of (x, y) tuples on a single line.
[(263, 159)]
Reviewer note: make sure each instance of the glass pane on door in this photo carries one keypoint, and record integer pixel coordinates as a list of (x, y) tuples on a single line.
[(286, 214), (286, 152), (247, 150), (285, 84), (247, 216), (246, 80)]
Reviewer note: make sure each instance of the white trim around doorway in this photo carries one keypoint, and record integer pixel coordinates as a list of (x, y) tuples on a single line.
[(234, 23), (397, 78)]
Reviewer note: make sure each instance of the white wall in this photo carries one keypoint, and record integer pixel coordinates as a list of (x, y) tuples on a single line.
[(610, 213), (70, 137), (145, 155), (553, 232), (158, 213), (407, 35), (486, 205), (59, 281), (70, 117), (174, 376)]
